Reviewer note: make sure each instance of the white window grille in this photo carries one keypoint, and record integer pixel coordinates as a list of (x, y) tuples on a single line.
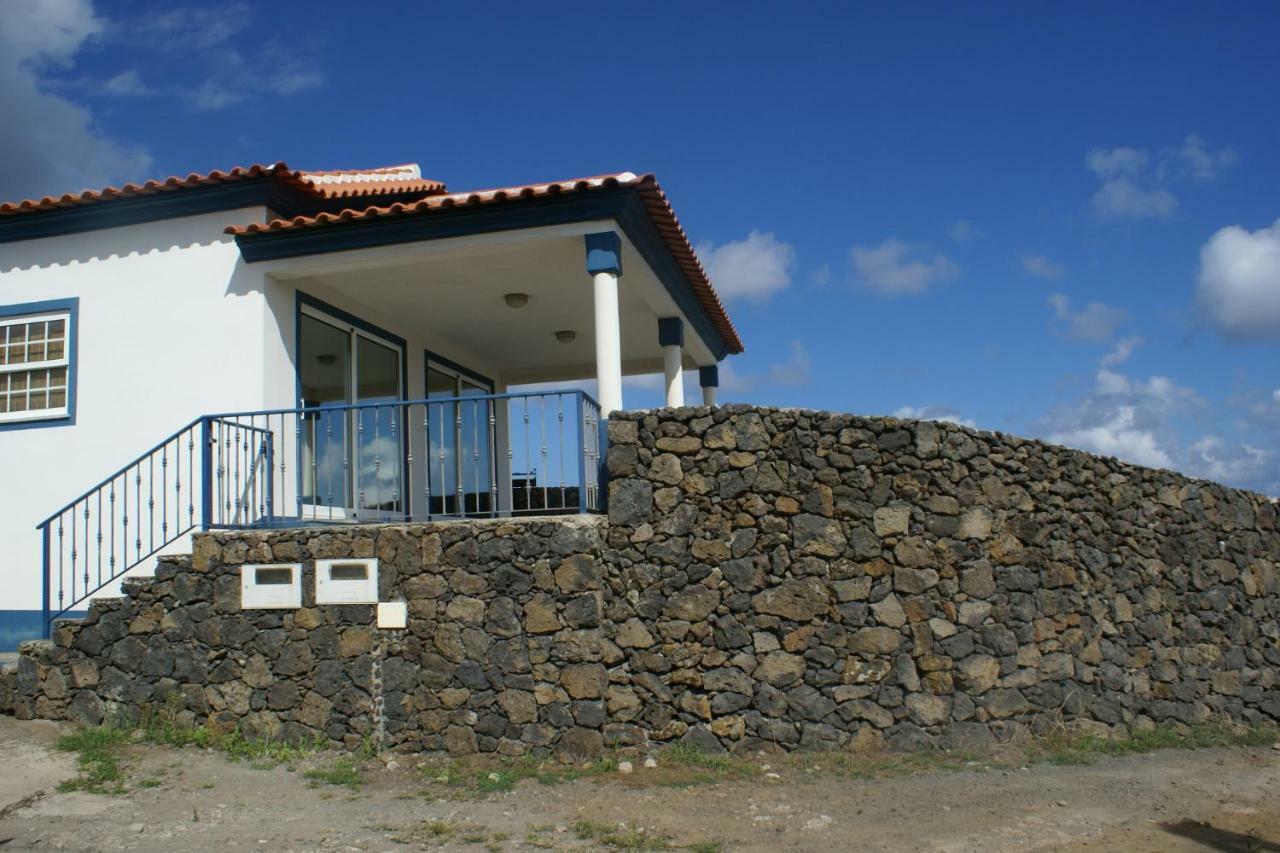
[(34, 366)]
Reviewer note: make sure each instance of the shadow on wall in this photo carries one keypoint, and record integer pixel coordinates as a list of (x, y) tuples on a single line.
[(19, 625)]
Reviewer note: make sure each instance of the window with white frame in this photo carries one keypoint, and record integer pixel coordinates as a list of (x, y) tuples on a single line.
[(34, 366)]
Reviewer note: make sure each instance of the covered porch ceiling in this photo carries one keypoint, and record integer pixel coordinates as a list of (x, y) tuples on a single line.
[(452, 290)]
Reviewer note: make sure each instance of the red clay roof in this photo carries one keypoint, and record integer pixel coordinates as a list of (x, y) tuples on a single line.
[(348, 183), (655, 200)]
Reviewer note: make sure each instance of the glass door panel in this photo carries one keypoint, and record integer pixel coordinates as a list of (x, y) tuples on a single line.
[(442, 440), (475, 439), (379, 430), (324, 374)]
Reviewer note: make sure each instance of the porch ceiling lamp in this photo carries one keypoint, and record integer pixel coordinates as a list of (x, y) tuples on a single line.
[(566, 336), (516, 300)]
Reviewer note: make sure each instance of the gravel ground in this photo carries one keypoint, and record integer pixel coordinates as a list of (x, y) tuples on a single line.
[(198, 800)]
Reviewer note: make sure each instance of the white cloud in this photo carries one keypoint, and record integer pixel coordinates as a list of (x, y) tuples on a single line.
[(1120, 353), (1239, 283), (50, 144), (754, 268), (933, 413), (1132, 189), (126, 84), (1114, 162), (1121, 198), (1041, 267), (893, 268), (1097, 321), (1201, 162), (1118, 435), (795, 370), (1215, 461), (964, 231)]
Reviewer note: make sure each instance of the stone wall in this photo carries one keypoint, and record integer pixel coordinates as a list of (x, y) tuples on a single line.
[(764, 576)]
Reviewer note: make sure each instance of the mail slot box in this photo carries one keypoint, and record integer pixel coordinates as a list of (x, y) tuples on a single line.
[(271, 587), (347, 581)]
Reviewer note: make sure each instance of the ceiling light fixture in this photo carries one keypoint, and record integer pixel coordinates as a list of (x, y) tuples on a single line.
[(516, 300)]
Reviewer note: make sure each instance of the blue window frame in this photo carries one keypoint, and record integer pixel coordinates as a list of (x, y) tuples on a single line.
[(39, 348)]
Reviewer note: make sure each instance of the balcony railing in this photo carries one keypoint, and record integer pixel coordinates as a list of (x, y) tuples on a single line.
[(494, 455)]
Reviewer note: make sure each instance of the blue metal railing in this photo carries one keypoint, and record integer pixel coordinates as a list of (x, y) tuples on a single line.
[(393, 460)]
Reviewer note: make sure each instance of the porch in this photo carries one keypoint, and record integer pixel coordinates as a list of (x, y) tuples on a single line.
[(419, 363)]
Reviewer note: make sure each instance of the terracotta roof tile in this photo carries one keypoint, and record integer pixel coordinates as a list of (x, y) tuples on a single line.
[(659, 209), (348, 183)]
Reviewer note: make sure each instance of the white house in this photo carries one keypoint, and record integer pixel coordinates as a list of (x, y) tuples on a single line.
[(268, 346)]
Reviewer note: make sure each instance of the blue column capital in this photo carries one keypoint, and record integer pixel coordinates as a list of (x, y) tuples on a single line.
[(709, 376), (604, 253), (670, 332)]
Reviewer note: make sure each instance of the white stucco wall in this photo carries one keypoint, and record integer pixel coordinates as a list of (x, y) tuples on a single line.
[(170, 327)]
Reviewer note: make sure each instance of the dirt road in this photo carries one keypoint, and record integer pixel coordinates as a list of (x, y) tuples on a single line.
[(198, 800)]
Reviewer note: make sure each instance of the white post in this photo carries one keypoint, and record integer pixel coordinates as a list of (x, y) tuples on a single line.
[(671, 339), (604, 264), (709, 379), (608, 343), (674, 374)]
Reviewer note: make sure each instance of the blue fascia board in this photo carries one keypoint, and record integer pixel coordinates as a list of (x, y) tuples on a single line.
[(622, 204)]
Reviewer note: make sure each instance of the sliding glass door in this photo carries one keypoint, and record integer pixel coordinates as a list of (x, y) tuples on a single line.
[(352, 459)]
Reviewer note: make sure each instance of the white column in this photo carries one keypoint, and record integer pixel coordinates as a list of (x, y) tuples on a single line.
[(709, 379), (674, 374), (604, 264), (671, 339), (608, 343)]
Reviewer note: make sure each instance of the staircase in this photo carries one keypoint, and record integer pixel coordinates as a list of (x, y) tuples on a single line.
[(87, 676)]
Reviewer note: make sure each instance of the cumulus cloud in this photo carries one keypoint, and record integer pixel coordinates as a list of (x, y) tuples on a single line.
[(1041, 267), (1239, 282), (1214, 460), (1097, 321), (754, 268), (894, 268), (51, 144), (933, 413)]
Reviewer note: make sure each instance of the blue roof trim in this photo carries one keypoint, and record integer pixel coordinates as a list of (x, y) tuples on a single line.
[(622, 204)]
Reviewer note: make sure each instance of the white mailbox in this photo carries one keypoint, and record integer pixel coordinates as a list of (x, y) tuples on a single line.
[(347, 581), (271, 587)]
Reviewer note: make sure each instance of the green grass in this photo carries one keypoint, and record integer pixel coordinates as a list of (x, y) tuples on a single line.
[(617, 837), (342, 772), (1064, 747), (479, 778), (163, 725), (98, 759)]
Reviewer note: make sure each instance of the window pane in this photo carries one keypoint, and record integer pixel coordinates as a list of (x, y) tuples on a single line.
[(58, 376), (35, 331), (38, 400), (18, 402), (4, 403), (17, 353), (55, 350), (17, 333), (39, 379), (57, 329), (57, 398), (35, 351), (18, 381)]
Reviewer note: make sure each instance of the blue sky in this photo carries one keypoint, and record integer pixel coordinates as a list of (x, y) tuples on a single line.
[(1055, 223)]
